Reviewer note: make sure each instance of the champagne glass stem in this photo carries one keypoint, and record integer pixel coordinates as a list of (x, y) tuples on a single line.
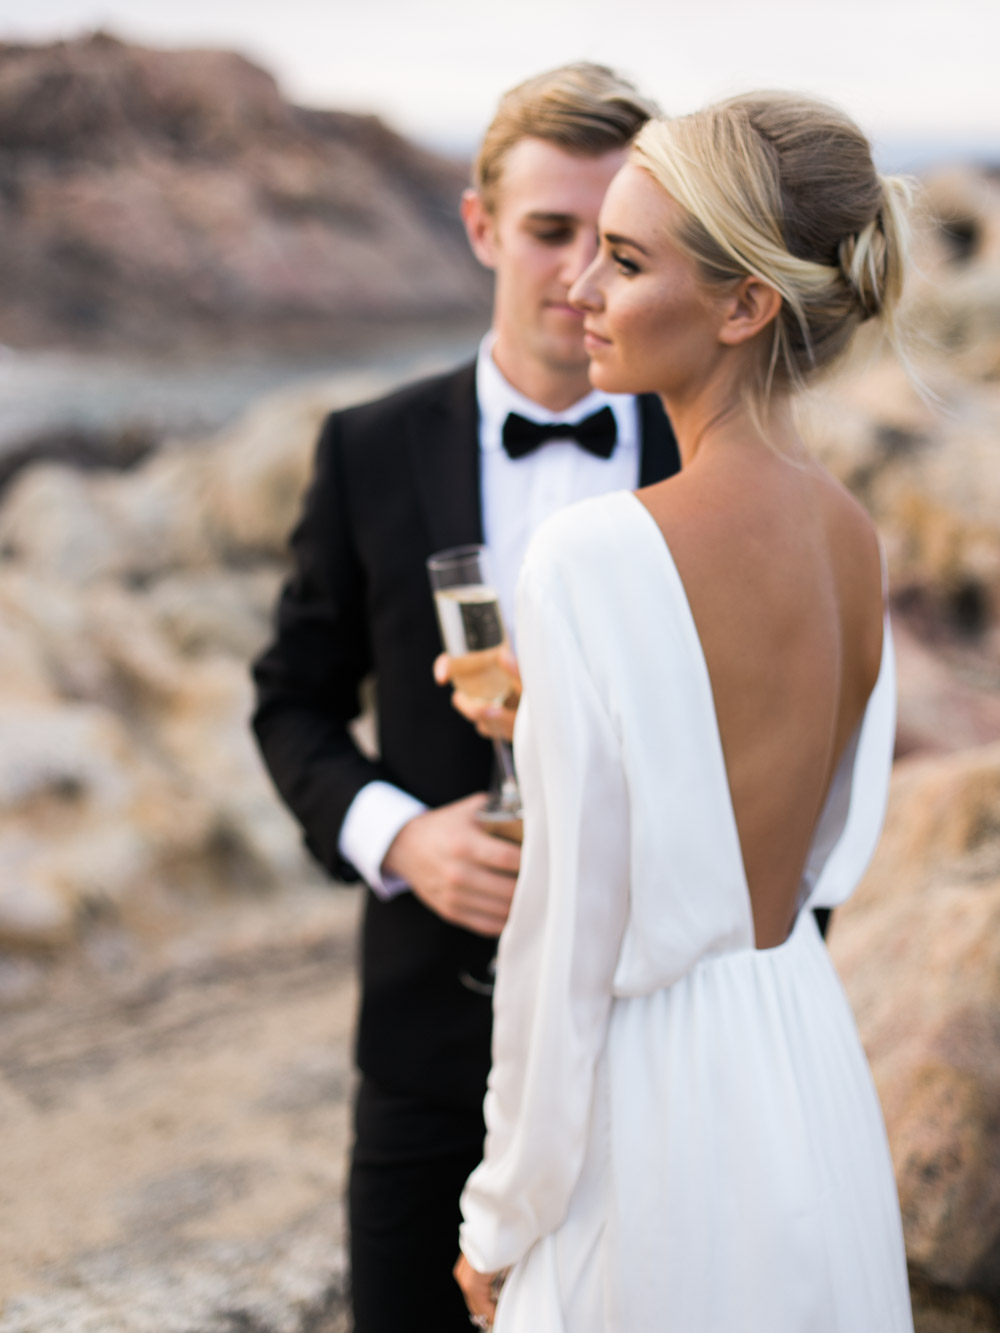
[(508, 780)]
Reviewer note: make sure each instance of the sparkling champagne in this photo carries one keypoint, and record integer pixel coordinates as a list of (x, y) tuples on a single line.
[(472, 631)]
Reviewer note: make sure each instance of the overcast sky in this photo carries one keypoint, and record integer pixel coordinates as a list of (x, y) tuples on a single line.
[(913, 72)]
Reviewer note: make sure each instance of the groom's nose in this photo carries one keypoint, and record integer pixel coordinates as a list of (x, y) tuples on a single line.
[(584, 293), (578, 255)]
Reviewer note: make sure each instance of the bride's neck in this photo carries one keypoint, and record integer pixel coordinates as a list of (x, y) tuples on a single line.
[(711, 424)]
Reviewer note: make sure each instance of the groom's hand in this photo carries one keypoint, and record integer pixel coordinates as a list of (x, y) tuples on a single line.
[(464, 875), (496, 722)]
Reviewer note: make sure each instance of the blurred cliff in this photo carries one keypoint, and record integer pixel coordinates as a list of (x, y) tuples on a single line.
[(149, 197), (918, 946), (176, 980)]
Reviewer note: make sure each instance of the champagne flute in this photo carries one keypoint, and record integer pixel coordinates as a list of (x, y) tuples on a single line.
[(472, 629)]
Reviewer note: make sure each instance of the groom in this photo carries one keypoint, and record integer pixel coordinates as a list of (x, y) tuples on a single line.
[(439, 464)]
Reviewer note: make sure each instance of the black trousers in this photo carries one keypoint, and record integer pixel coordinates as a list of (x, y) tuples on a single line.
[(410, 1162)]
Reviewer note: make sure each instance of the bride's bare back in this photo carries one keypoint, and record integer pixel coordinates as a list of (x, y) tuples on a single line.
[(782, 572)]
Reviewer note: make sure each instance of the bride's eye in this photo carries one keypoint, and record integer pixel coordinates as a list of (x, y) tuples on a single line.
[(626, 266)]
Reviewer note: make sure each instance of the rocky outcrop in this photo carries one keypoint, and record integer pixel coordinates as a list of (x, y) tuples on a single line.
[(919, 944), (920, 450), (926, 470), (921, 453), (919, 950), (87, 449), (956, 304), (154, 197), (130, 607)]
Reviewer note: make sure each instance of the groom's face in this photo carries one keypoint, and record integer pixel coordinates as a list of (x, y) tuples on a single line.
[(539, 236)]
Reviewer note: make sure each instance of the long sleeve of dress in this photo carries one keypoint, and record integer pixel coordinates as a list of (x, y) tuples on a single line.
[(559, 949)]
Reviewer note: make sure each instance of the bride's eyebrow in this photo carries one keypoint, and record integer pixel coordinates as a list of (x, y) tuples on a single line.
[(614, 239)]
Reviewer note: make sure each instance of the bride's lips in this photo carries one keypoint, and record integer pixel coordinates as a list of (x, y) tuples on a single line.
[(593, 341)]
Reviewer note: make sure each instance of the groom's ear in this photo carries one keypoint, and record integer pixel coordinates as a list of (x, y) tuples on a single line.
[(748, 309), (480, 228)]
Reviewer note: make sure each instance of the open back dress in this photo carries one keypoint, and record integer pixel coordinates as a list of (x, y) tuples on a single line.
[(683, 1135)]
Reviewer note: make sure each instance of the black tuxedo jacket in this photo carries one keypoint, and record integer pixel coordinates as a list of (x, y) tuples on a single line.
[(395, 481)]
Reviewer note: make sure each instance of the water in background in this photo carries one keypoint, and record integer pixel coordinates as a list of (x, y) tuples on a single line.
[(43, 392)]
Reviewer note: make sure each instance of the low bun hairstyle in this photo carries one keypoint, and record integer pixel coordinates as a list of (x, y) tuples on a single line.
[(783, 187)]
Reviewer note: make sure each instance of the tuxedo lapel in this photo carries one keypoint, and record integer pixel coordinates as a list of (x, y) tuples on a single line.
[(443, 448), (442, 445), (659, 456)]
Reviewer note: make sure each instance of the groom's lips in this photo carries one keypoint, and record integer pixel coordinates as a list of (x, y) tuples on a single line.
[(564, 308)]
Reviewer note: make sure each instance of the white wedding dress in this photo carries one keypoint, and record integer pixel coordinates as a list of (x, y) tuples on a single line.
[(683, 1135)]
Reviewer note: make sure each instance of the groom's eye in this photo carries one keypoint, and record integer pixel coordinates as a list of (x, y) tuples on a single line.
[(553, 235)]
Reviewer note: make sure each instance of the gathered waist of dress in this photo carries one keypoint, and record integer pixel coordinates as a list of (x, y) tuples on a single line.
[(644, 975)]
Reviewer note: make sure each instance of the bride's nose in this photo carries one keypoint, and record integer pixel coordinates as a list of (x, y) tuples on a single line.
[(585, 293)]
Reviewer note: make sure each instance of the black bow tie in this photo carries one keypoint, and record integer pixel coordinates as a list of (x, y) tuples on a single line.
[(596, 434)]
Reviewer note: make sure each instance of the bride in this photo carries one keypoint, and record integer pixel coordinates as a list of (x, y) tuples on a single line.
[(683, 1134)]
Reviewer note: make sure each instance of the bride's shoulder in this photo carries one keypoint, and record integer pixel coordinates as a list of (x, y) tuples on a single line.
[(574, 541)]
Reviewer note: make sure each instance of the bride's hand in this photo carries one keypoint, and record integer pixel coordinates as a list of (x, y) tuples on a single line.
[(480, 1291), (490, 720)]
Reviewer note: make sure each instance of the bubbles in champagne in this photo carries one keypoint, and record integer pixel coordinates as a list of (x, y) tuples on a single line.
[(470, 619)]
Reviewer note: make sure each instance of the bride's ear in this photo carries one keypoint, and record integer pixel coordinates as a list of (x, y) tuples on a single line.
[(750, 307)]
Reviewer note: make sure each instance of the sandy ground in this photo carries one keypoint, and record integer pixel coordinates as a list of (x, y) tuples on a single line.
[(174, 1126)]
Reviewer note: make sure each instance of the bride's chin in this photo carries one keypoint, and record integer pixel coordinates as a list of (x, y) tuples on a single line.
[(605, 379)]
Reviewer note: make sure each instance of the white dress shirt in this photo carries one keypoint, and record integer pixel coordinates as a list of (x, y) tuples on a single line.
[(516, 495)]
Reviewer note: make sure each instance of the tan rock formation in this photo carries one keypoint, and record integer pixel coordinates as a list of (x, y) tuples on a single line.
[(130, 607), (919, 950), (193, 506), (153, 196), (927, 466), (928, 473)]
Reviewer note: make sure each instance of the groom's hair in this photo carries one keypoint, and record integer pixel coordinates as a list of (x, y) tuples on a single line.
[(584, 109)]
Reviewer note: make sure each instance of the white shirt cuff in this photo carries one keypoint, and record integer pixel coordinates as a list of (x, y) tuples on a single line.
[(372, 821)]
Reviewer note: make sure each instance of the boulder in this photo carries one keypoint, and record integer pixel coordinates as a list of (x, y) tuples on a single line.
[(961, 207), (216, 611), (926, 471), (126, 760), (948, 694), (918, 948), (259, 468), (130, 608), (69, 787), (196, 505)]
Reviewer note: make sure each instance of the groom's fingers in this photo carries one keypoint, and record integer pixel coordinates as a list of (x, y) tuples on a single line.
[(458, 871), (496, 722), (464, 907), (478, 899), (495, 853), (490, 720)]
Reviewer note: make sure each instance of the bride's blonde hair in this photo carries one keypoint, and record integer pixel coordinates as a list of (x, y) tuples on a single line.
[(783, 187)]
